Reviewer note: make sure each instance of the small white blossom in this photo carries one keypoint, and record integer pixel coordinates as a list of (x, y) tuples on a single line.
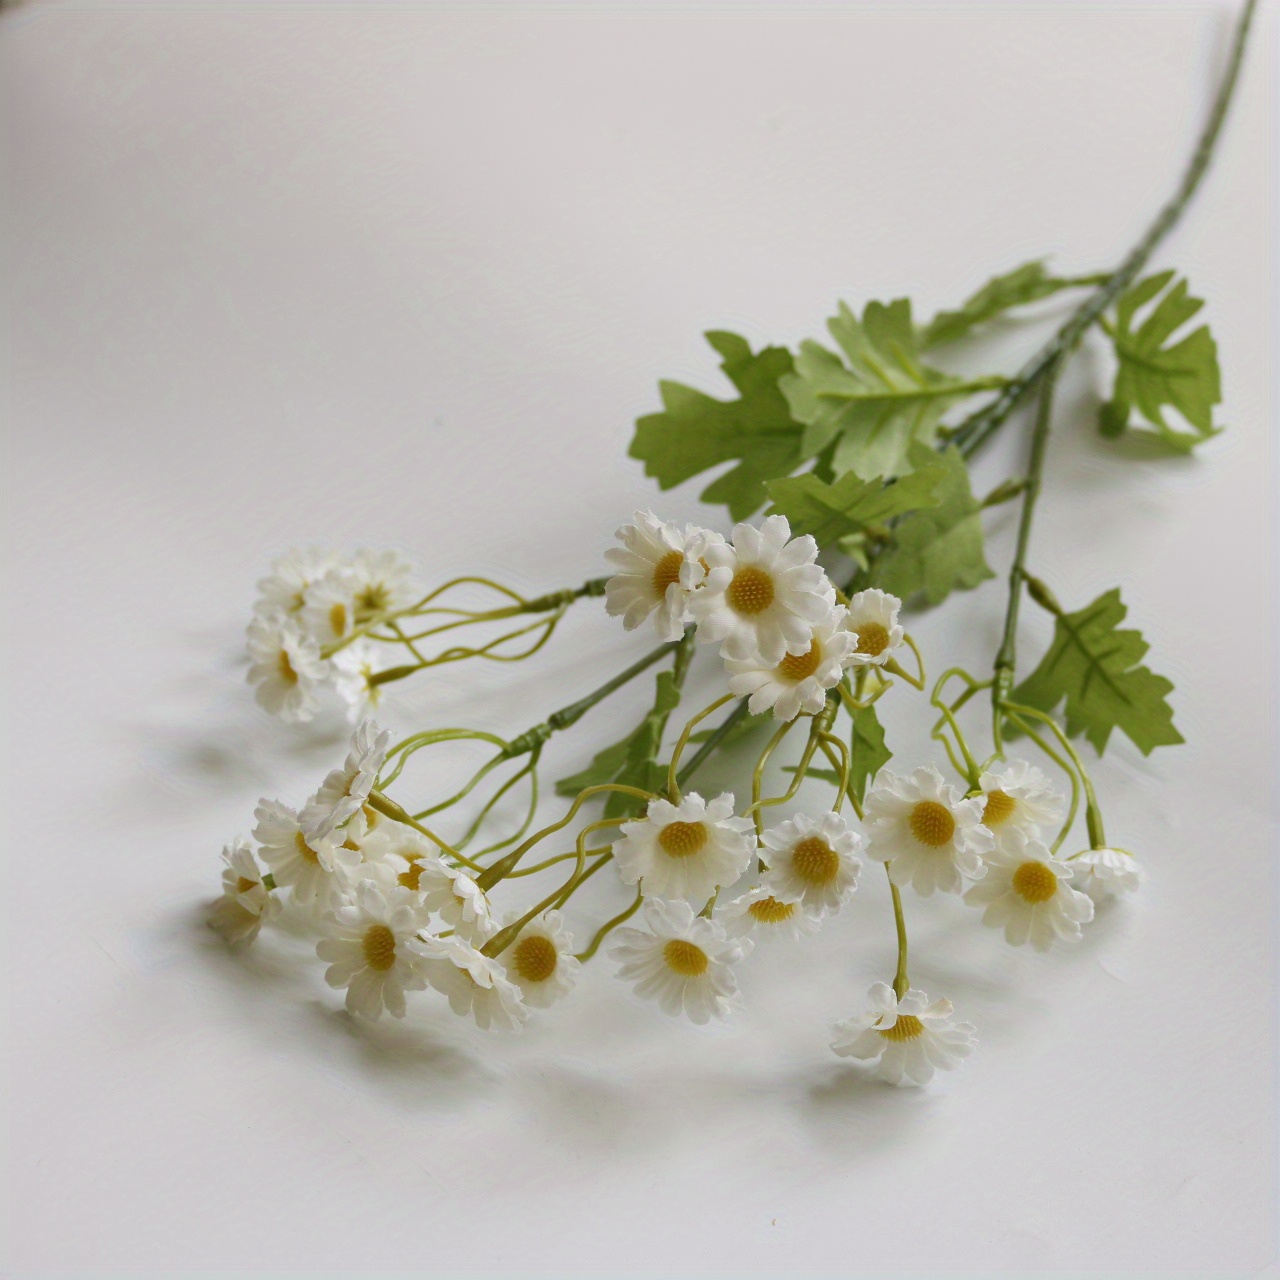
[(381, 584), (318, 871), (329, 609), (764, 912), (910, 1038), (473, 982), (1106, 873), (285, 668), (457, 899), (541, 961), (1018, 797), (353, 670), (284, 589), (344, 791), (813, 859), (873, 619), (246, 903)]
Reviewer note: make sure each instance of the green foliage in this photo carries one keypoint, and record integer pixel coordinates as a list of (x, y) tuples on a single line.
[(871, 409), (869, 750), (939, 549), (1027, 283), (1152, 374), (1095, 668), (696, 431)]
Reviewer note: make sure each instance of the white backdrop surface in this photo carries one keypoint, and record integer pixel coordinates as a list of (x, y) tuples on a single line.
[(403, 276)]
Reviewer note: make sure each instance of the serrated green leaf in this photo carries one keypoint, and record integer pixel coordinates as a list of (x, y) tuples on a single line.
[(696, 431), (1027, 283), (1095, 668), (1152, 376), (879, 400), (869, 750), (937, 550)]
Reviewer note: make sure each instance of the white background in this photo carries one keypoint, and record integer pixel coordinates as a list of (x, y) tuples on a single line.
[(402, 276)]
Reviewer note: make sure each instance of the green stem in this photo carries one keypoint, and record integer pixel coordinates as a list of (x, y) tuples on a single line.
[(609, 925), (901, 983), (718, 735)]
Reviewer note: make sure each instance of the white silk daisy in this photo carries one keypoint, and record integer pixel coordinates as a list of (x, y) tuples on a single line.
[(687, 850), (345, 790), (909, 1039), (541, 961), (381, 584), (246, 903), (318, 872), (682, 961), (927, 834), (354, 668), (329, 608), (763, 594), (813, 860), (1106, 873), (1018, 797), (473, 982), (457, 899), (764, 912), (873, 619), (284, 589), (285, 668)]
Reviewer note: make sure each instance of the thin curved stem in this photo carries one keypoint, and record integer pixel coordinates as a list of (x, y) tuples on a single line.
[(673, 786), (608, 927)]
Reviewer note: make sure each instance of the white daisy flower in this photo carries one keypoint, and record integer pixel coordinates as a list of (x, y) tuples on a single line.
[(318, 871), (329, 609), (402, 849), (800, 681), (344, 791), (541, 961), (814, 860), (1106, 873), (284, 589), (473, 982), (367, 949), (246, 903), (1018, 797), (873, 619), (1027, 890), (686, 850), (381, 584), (763, 595), (911, 1037), (682, 961), (764, 912), (457, 899), (659, 566), (353, 670), (285, 667), (925, 831)]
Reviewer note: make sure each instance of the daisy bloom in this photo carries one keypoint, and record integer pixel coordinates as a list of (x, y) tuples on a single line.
[(911, 1038), (367, 949), (685, 850), (329, 608), (344, 791), (353, 670), (658, 568), (681, 960), (1027, 890), (473, 982), (873, 619), (284, 589), (925, 831), (285, 667), (318, 871), (1106, 873), (541, 961), (381, 584), (814, 860), (763, 594), (246, 903), (763, 912), (1018, 797), (800, 681), (460, 902)]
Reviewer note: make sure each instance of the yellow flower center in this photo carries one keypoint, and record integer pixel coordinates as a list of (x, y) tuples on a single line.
[(308, 853), (686, 959), (931, 823), (682, 839), (1000, 807), (751, 591), (1034, 882), (371, 600), (244, 884), (666, 571), (536, 958), (907, 1027), (287, 673), (379, 947), (338, 619), (800, 666), (411, 877), (873, 639), (771, 911), (815, 861)]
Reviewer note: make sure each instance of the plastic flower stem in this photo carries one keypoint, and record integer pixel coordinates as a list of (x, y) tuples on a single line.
[(609, 925), (580, 852), (1065, 767), (417, 741), (848, 786), (389, 809), (900, 980), (831, 742), (673, 787), (530, 811), (718, 735), (821, 723), (529, 767), (404, 639), (757, 774), (559, 857), (970, 769), (476, 778)]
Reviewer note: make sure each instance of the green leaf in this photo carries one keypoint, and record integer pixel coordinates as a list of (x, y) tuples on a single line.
[(869, 750), (697, 431), (1027, 283), (1095, 668), (1153, 374), (879, 403), (937, 550)]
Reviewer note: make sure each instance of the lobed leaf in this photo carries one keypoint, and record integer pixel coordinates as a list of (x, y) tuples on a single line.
[(1027, 283)]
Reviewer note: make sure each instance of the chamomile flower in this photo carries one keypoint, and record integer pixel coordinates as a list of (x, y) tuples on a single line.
[(344, 791), (925, 831), (473, 982), (1018, 797), (402, 849), (800, 681), (367, 949), (814, 860), (685, 850), (541, 961), (1106, 873), (764, 912), (457, 899), (318, 871), (763, 594), (381, 582), (681, 960), (353, 670), (1027, 889), (873, 619), (246, 903), (285, 668), (284, 589), (659, 566), (329, 609), (908, 1038)]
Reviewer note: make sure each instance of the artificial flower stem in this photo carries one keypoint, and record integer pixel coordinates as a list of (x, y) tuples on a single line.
[(609, 925), (718, 735), (673, 786), (757, 774), (1066, 768), (389, 809), (900, 980)]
